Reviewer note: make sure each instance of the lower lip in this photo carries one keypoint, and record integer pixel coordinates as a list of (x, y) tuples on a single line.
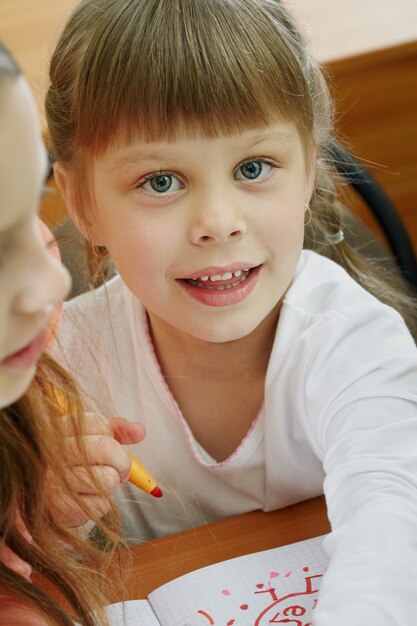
[(223, 297), (28, 356)]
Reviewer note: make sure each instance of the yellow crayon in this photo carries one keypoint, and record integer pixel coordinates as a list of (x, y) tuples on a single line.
[(140, 477)]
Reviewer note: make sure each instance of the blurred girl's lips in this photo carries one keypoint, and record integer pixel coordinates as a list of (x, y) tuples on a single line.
[(26, 357)]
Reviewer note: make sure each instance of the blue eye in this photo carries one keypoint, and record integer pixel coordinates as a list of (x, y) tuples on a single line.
[(253, 169), (161, 183)]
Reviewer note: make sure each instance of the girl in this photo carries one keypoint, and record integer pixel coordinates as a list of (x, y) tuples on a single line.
[(32, 428), (190, 143)]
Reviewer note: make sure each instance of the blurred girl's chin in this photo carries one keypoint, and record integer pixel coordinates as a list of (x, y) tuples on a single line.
[(15, 386)]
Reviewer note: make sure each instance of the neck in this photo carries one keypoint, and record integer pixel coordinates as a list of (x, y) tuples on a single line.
[(183, 355)]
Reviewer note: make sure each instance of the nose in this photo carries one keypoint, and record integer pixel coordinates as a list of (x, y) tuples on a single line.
[(46, 282), (216, 220)]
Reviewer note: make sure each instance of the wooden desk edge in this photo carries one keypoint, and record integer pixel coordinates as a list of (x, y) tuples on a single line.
[(156, 563)]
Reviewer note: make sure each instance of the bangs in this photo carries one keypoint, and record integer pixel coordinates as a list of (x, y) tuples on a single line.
[(154, 65)]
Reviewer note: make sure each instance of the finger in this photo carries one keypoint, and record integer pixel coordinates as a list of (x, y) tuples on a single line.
[(66, 511), (127, 432), (90, 481), (98, 450), (96, 506), (92, 424)]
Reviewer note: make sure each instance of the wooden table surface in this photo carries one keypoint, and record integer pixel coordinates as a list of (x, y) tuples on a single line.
[(143, 568), (157, 562)]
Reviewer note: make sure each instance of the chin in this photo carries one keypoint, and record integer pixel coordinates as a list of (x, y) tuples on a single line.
[(14, 387), (220, 332)]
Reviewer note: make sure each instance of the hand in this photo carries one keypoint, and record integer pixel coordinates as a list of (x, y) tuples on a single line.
[(108, 460)]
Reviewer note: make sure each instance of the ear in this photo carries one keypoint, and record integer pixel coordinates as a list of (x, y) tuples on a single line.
[(77, 213), (62, 182), (60, 177)]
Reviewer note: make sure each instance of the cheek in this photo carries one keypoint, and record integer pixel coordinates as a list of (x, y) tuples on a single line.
[(5, 289), (138, 251), (284, 219), (283, 232)]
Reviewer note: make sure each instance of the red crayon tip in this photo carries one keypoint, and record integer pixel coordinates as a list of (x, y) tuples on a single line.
[(156, 492)]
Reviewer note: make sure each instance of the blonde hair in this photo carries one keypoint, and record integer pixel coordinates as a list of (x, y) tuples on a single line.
[(69, 571), (221, 66), (31, 445)]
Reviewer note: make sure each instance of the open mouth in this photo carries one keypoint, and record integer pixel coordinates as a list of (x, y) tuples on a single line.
[(222, 288), (220, 282)]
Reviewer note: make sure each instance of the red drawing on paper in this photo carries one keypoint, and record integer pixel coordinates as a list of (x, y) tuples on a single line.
[(210, 619), (291, 609), (283, 609)]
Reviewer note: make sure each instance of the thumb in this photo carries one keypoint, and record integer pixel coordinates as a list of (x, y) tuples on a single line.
[(126, 432)]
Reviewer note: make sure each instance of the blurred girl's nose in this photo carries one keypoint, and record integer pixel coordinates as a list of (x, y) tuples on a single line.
[(46, 282)]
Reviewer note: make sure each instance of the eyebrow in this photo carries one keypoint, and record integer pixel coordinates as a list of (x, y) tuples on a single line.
[(283, 138), (131, 158)]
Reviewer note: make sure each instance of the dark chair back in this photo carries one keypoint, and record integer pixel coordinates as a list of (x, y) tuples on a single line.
[(381, 207)]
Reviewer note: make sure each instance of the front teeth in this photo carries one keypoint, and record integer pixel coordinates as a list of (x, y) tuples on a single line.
[(239, 275), (226, 276)]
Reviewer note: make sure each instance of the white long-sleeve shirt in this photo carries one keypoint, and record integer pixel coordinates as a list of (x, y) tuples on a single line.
[(339, 415)]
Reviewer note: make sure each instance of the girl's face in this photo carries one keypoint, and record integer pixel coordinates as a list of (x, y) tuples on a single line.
[(206, 232), (31, 281)]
